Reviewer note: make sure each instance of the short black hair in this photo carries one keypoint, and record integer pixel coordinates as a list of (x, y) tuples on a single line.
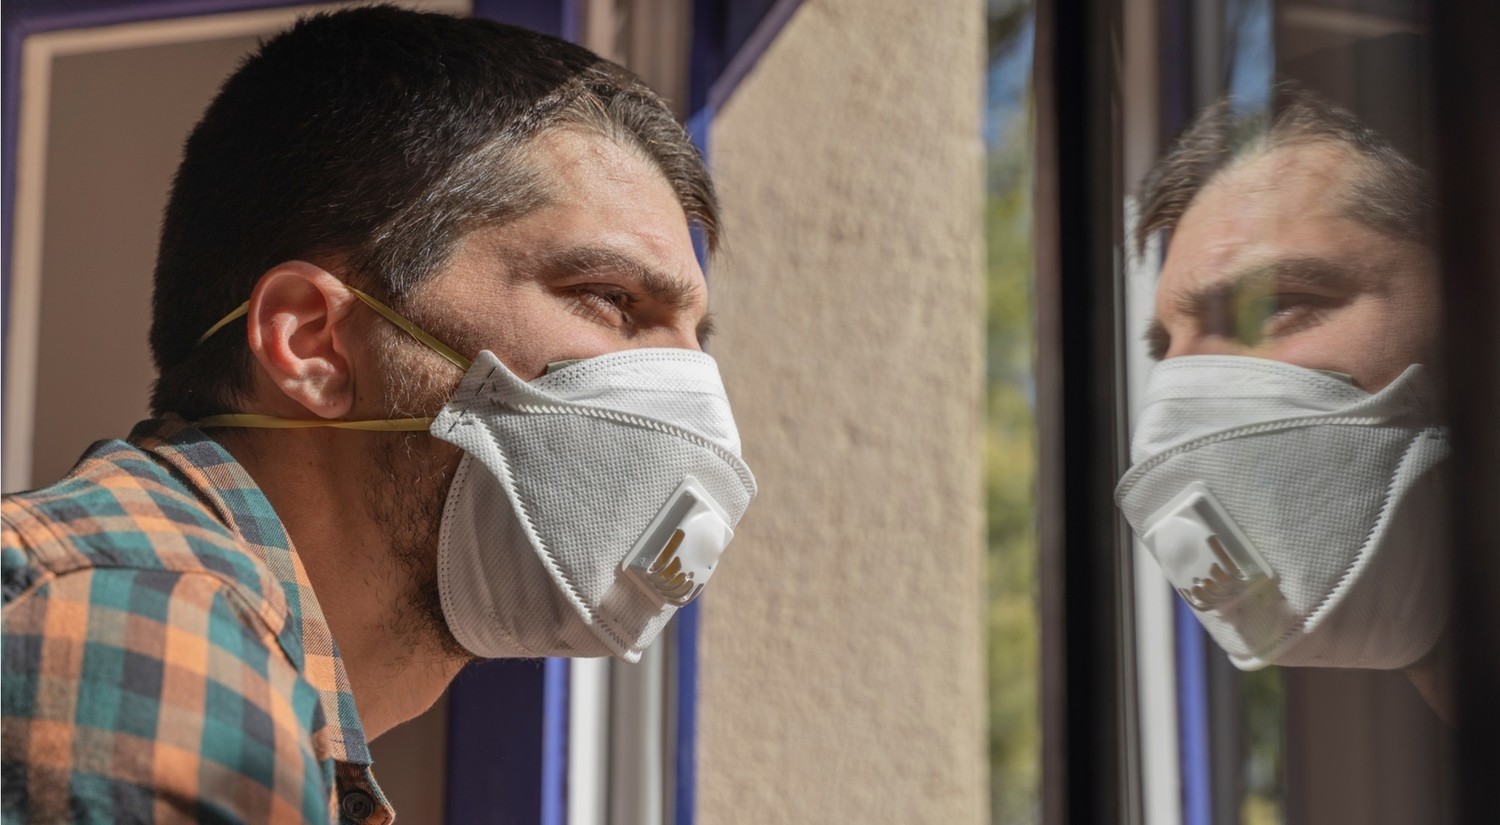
[(374, 139), (1391, 194)]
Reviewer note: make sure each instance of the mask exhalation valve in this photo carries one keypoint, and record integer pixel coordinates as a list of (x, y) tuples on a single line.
[(1203, 552), (674, 558)]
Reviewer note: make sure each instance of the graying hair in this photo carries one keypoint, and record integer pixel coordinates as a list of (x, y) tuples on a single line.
[(1389, 194)]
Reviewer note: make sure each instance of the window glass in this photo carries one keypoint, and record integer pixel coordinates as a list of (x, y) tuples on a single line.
[(1009, 437), (1288, 442)]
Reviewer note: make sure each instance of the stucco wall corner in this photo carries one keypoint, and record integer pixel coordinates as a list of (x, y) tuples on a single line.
[(842, 675)]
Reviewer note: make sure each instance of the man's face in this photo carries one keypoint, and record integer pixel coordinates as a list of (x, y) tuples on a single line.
[(607, 265), (1268, 262)]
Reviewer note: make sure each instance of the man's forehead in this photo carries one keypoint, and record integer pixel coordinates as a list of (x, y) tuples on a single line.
[(1293, 164), (1272, 190), (1292, 184), (599, 188), (586, 162), (1267, 206), (606, 208)]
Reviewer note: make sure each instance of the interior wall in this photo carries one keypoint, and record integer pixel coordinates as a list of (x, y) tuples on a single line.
[(117, 121), (842, 658)]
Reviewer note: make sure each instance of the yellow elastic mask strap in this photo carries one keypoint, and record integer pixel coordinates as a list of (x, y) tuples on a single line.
[(237, 312), (385, 425), (413, 330), (373, 303)]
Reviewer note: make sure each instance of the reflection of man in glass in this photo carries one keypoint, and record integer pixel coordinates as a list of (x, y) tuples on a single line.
[(1284, 460), (1306, 242)]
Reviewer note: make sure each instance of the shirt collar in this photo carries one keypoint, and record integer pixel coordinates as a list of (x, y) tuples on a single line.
[(305, 638)]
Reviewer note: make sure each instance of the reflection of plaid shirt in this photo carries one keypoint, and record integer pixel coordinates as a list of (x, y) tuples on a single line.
[(164, 658)]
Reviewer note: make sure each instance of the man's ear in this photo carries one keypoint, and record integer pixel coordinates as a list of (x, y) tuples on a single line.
[(297, 329)]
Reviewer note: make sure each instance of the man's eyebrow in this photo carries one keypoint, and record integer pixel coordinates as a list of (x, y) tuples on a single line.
[(660, 286), (1208, 300), (1264, 276)]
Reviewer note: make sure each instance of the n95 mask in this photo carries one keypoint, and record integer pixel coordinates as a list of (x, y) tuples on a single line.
[(1299, 516), (589, 505)]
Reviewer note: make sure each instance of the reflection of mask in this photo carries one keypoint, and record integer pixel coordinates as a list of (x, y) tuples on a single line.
[(589, 505), (1298, 515)]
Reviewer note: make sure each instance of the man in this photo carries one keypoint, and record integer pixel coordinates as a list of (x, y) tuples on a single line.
[(1286, 457), (428, 320)]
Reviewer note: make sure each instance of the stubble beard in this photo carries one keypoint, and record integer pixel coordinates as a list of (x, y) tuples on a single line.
[(405, 497)]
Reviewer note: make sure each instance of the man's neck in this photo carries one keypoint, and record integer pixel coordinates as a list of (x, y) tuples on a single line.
[(305, 475)]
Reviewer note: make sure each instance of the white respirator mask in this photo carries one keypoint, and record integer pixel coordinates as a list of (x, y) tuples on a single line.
[(1300, 516), (590, 504)]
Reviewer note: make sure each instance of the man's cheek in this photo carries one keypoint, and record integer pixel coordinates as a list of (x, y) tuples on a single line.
[(1402, 336)]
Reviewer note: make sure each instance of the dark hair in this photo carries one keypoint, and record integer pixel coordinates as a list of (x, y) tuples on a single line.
[(374, 139), (1390, 193)]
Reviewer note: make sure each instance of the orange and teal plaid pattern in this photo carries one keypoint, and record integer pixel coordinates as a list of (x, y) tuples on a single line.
[(164, 656)]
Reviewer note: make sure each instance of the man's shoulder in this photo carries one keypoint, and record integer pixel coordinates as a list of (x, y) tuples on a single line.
[(145, 671), (121, 508), (131, 628), (123, 684)]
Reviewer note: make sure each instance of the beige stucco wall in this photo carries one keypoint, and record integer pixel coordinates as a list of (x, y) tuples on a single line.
[(842, 662)]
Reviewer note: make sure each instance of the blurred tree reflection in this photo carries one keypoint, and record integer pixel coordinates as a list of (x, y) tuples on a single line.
[(1009, 437)]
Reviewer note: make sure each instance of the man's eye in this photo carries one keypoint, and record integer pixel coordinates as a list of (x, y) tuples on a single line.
[(1277, 314), (611, 305)]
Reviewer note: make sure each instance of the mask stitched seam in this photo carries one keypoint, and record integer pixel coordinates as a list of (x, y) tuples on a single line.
[(1242, 391), (1183, 390), (566, 407), (1289, 372), (1385, 506), (1280, 647), (548, 561), (724, 455), (548, 557), (462, 412), (646, 423), (1133, 475), (596, 619), (577, 371), (445, 560), (511, 637)]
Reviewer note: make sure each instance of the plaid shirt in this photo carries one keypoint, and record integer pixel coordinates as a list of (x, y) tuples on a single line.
[(164, 656)]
